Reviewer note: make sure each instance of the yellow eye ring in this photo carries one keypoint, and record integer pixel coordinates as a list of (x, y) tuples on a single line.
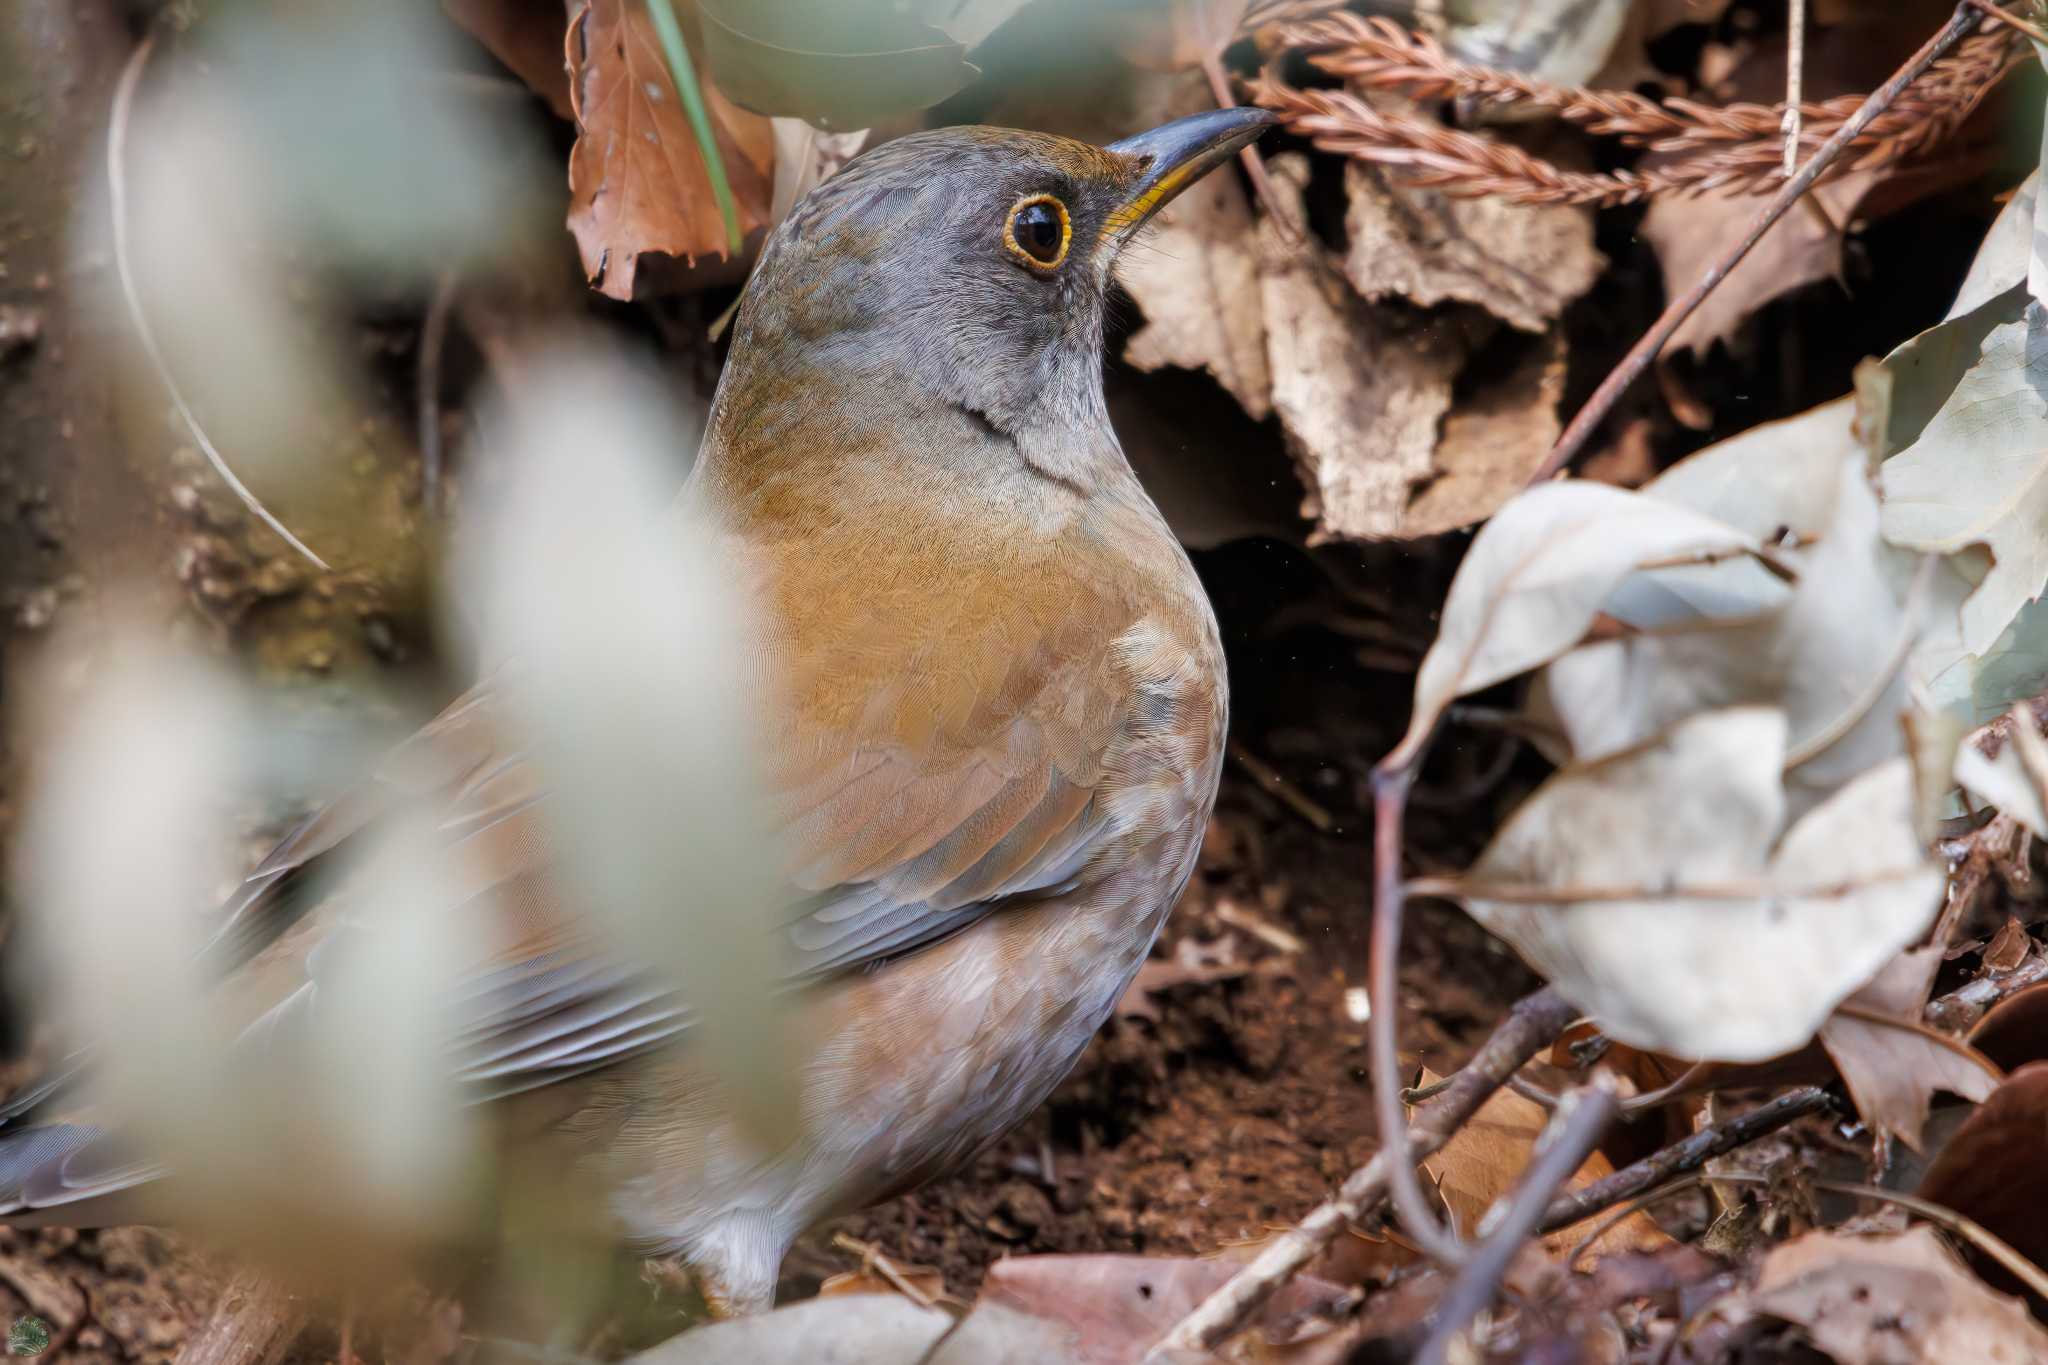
[(1028, 231)]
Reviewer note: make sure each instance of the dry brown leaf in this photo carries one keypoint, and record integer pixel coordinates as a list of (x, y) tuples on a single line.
[(1992, 1170), (1485, 1158), (1492, 442), (1690, 232), (526, 37), (637, 179), (1891, 1061), (1901, 1300), (1120, 1305), (1521, 263), (1358, 390), (1195, 276), (2008, 947)]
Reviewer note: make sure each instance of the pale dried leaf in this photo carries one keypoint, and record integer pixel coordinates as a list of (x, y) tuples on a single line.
[(1891, 1061), (1735, 977), (1492, 442), (1522, 263), (2004, 260), (1486, 1158), (1359, 391), (637, 178), (850, 1329), (2017, 780), (1536, 576), (805, 158), (1978, 474), (1778, 480), (1119, 1305), (1828, 650), (1899, 1300), (1195, 277)]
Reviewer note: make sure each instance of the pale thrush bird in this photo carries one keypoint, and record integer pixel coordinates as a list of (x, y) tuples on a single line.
[(998, 718)]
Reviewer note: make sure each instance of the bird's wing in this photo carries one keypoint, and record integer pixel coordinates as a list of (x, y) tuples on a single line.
[(917, 788)]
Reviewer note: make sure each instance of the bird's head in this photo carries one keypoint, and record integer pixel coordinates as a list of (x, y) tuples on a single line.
[(968, 268)]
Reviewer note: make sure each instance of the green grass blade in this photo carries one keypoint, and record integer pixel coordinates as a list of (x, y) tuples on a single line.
[(685, 77)]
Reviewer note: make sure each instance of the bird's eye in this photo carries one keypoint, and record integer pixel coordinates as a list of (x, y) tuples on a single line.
[(1038, 230)]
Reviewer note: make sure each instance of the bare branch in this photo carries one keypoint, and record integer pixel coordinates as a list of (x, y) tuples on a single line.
[(1645, 350), (1682, 1157), (1582, 1116)]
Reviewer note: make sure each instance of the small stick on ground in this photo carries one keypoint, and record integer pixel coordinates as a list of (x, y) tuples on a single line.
[(1582, 1116), (1275, 782), (1683, 1157), (874, 1260), (1645, 350), (254, 1322), (1530, 1026)]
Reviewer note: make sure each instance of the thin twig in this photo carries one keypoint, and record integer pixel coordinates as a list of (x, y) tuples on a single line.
[(1533, 1023), (873, 1259), (1463, 890), (1795, 76), (1254, 164), (1682, 1157), (1582, 1116), (1291, 796), (1961, 1008), (1645, 350), (1390, 794), (1971, 1231), (1635, 1106), (433, 338), (117, 196), (1991, 11)]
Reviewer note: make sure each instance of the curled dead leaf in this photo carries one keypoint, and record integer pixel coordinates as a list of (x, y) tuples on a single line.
[(1664, 899), (1535, 579), (1522, 263), (1900, 1300), (1892, 1063)]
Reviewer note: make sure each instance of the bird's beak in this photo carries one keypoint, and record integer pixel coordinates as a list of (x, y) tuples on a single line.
[(1174, 156)]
